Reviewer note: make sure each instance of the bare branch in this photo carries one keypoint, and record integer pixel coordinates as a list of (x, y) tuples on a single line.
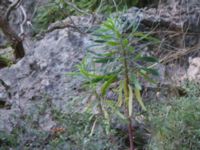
[(11, 8), (24, 20), (14, 39)]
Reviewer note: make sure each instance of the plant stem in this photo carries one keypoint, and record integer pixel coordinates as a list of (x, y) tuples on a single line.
[(126, 92), (130, 133)]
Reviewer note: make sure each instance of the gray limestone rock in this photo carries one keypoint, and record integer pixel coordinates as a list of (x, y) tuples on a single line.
[(42, 72)]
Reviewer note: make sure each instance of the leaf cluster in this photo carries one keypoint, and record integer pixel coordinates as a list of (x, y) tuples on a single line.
[(114, 65), (5, 62), (60, 9), (49, 13)]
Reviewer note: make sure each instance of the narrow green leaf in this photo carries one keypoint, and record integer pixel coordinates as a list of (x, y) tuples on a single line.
[(126, 91), (131, 48), (147, 59), (107, 120), (100, 31), (136, 58), (107, 84), (120, 115), (103, 60), (106, 37), (144, 36), (135, 81), (109, 54), (93, 127), (94, 80), (142, 72), (150, 80), (88, 74), (139, 98), (130, 101), (106, 115), (112, 43), (118, 34), (106, 54), (110, 103), (73, 74), (125, 42), (145, 76), (151, 71), (120, 101), (99, 41), (108, 25)]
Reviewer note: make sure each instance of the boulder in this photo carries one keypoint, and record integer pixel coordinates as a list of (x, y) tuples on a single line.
[(41, 74), (193, 72)]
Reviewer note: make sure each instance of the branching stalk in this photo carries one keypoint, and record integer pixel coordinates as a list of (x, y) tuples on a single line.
[(126, 92)]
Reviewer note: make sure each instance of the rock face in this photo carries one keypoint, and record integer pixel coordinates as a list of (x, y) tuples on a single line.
[(193, 72), (41, 74), (175, 14)]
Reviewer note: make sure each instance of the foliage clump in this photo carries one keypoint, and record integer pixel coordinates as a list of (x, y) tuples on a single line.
[(49, 13), (175, 124), (5, 62), (115, 64), (60, 9)]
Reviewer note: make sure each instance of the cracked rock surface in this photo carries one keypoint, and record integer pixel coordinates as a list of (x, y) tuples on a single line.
[(42, 73)]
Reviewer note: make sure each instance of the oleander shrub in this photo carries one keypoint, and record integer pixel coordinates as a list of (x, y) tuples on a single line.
[(114, 64)]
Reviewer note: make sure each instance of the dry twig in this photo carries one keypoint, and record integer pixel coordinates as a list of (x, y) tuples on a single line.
[(11, 8)]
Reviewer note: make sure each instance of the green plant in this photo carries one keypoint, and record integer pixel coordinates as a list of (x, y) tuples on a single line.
[(115, 61), (174, 124), (60, 9), (5, 62), (49, 13), (105, 6)]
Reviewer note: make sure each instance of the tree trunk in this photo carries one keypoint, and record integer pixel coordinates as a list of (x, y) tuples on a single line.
[(13, 38)]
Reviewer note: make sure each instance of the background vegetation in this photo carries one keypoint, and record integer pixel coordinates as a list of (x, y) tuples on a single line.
[(170, 125), (60, 9), (174, 124), (115, 65)]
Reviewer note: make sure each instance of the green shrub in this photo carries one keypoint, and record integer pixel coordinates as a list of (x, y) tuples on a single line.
[(175, 123), (114, 65), (60, 9), (5, 62), (49, 13)]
